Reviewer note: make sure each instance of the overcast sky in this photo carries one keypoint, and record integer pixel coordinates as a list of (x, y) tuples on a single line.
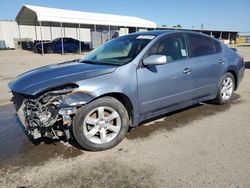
[(213, 14)]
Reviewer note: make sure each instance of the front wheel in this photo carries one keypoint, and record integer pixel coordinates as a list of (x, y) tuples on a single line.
[(226, 89), (101, 124)]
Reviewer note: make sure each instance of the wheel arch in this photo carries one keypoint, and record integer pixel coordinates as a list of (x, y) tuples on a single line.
[(235, 77), (124, 99), (83, 98)]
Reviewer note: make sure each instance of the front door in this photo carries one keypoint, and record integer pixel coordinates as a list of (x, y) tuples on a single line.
[(168, 85)]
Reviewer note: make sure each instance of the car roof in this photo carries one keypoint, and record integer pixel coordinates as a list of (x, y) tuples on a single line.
[(154, 33), (160, 32)]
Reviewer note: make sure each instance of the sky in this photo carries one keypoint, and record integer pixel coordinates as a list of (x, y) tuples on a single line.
[(212, 14)]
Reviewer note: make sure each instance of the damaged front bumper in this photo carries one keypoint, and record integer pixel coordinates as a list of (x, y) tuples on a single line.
[(42, 116), (50, 114), (66, 117)]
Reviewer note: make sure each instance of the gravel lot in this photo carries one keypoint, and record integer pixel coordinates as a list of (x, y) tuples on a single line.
[(202, 146)]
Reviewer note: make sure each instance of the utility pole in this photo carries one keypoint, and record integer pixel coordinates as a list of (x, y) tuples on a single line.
[(202, 26)]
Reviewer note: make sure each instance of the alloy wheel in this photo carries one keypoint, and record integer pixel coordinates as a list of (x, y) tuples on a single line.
[(102, 125), (227, 88)]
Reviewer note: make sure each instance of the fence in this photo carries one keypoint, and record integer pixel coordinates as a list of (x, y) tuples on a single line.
[(244, 40)]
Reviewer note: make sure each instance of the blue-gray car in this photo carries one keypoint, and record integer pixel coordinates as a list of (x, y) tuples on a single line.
[(127, 80)]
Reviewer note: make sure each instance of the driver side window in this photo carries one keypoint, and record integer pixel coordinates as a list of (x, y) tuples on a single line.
[(173, 47)]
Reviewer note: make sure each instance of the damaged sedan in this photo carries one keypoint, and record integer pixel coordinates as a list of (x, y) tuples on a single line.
[(127, 80)]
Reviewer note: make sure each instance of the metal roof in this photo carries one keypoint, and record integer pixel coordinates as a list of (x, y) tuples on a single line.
[(29, 14), (197, 30), (154, 32)]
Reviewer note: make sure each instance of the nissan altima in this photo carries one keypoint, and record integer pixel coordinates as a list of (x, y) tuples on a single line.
[(123, 82)]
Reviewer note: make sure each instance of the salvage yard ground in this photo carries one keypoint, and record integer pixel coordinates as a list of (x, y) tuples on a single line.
[(202, 146)]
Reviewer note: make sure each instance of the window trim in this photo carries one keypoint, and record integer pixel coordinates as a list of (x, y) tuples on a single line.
[(189, 44), (214, 40), (163, 38)]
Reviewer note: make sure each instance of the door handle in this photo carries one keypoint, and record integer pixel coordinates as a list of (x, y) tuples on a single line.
[(221, 61), (187, 71)]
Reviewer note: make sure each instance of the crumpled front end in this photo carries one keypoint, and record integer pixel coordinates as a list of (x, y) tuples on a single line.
[(43, 116)]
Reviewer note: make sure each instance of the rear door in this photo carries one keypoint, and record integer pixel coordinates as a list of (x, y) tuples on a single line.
[(57, 45), (72, 45), (168, 85), (66, 44), (208, 64)]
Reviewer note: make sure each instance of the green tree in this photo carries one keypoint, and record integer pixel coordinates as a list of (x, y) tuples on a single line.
[(178, 26)]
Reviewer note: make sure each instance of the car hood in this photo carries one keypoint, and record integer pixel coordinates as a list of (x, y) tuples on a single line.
[(35, 81)]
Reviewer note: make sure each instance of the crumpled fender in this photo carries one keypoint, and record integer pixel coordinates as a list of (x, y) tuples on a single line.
[(76, 99)]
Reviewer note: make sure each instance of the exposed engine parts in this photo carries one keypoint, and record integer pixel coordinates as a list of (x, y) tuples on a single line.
[(42, 116)]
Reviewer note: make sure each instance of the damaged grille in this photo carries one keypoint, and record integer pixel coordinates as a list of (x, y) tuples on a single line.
[(38, 115)]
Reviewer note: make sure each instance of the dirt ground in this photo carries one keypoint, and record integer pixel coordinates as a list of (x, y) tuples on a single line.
[(202, 146)]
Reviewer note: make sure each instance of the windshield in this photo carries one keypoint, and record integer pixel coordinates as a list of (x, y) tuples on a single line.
[(118, 51)]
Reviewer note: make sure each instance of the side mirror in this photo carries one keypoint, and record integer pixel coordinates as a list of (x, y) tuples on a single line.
[(155, 60)]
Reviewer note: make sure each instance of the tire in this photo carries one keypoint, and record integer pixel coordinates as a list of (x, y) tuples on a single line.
[(226, 89), (49, 50), (35, 50), (95, 129), (77, 50)]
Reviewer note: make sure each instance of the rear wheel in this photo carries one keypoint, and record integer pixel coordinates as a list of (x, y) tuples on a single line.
[(100, 125), (49, 50), (226, 89)]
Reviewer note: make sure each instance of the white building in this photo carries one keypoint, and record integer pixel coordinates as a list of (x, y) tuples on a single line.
[(41, 23)]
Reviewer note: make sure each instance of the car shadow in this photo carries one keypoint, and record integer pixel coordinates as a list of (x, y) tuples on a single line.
[(168, 122), (48, 141), (15, 144), (177, 119)]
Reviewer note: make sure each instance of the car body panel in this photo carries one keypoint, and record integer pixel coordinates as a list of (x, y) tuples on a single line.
[(206, 71), (44, 78), (164, 86), (152, 91), (235, 63)]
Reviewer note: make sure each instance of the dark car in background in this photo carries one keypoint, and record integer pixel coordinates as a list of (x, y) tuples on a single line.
[(55, 46), (124, 82)]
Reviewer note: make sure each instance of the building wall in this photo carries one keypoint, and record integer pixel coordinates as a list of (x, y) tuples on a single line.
[(102, 34), (27, 32), (123, 31), (9, 32), (142, 30), (51, 32)]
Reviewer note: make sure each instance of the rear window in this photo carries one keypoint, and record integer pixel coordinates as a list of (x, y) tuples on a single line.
[(200, 45), (217, 46)]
